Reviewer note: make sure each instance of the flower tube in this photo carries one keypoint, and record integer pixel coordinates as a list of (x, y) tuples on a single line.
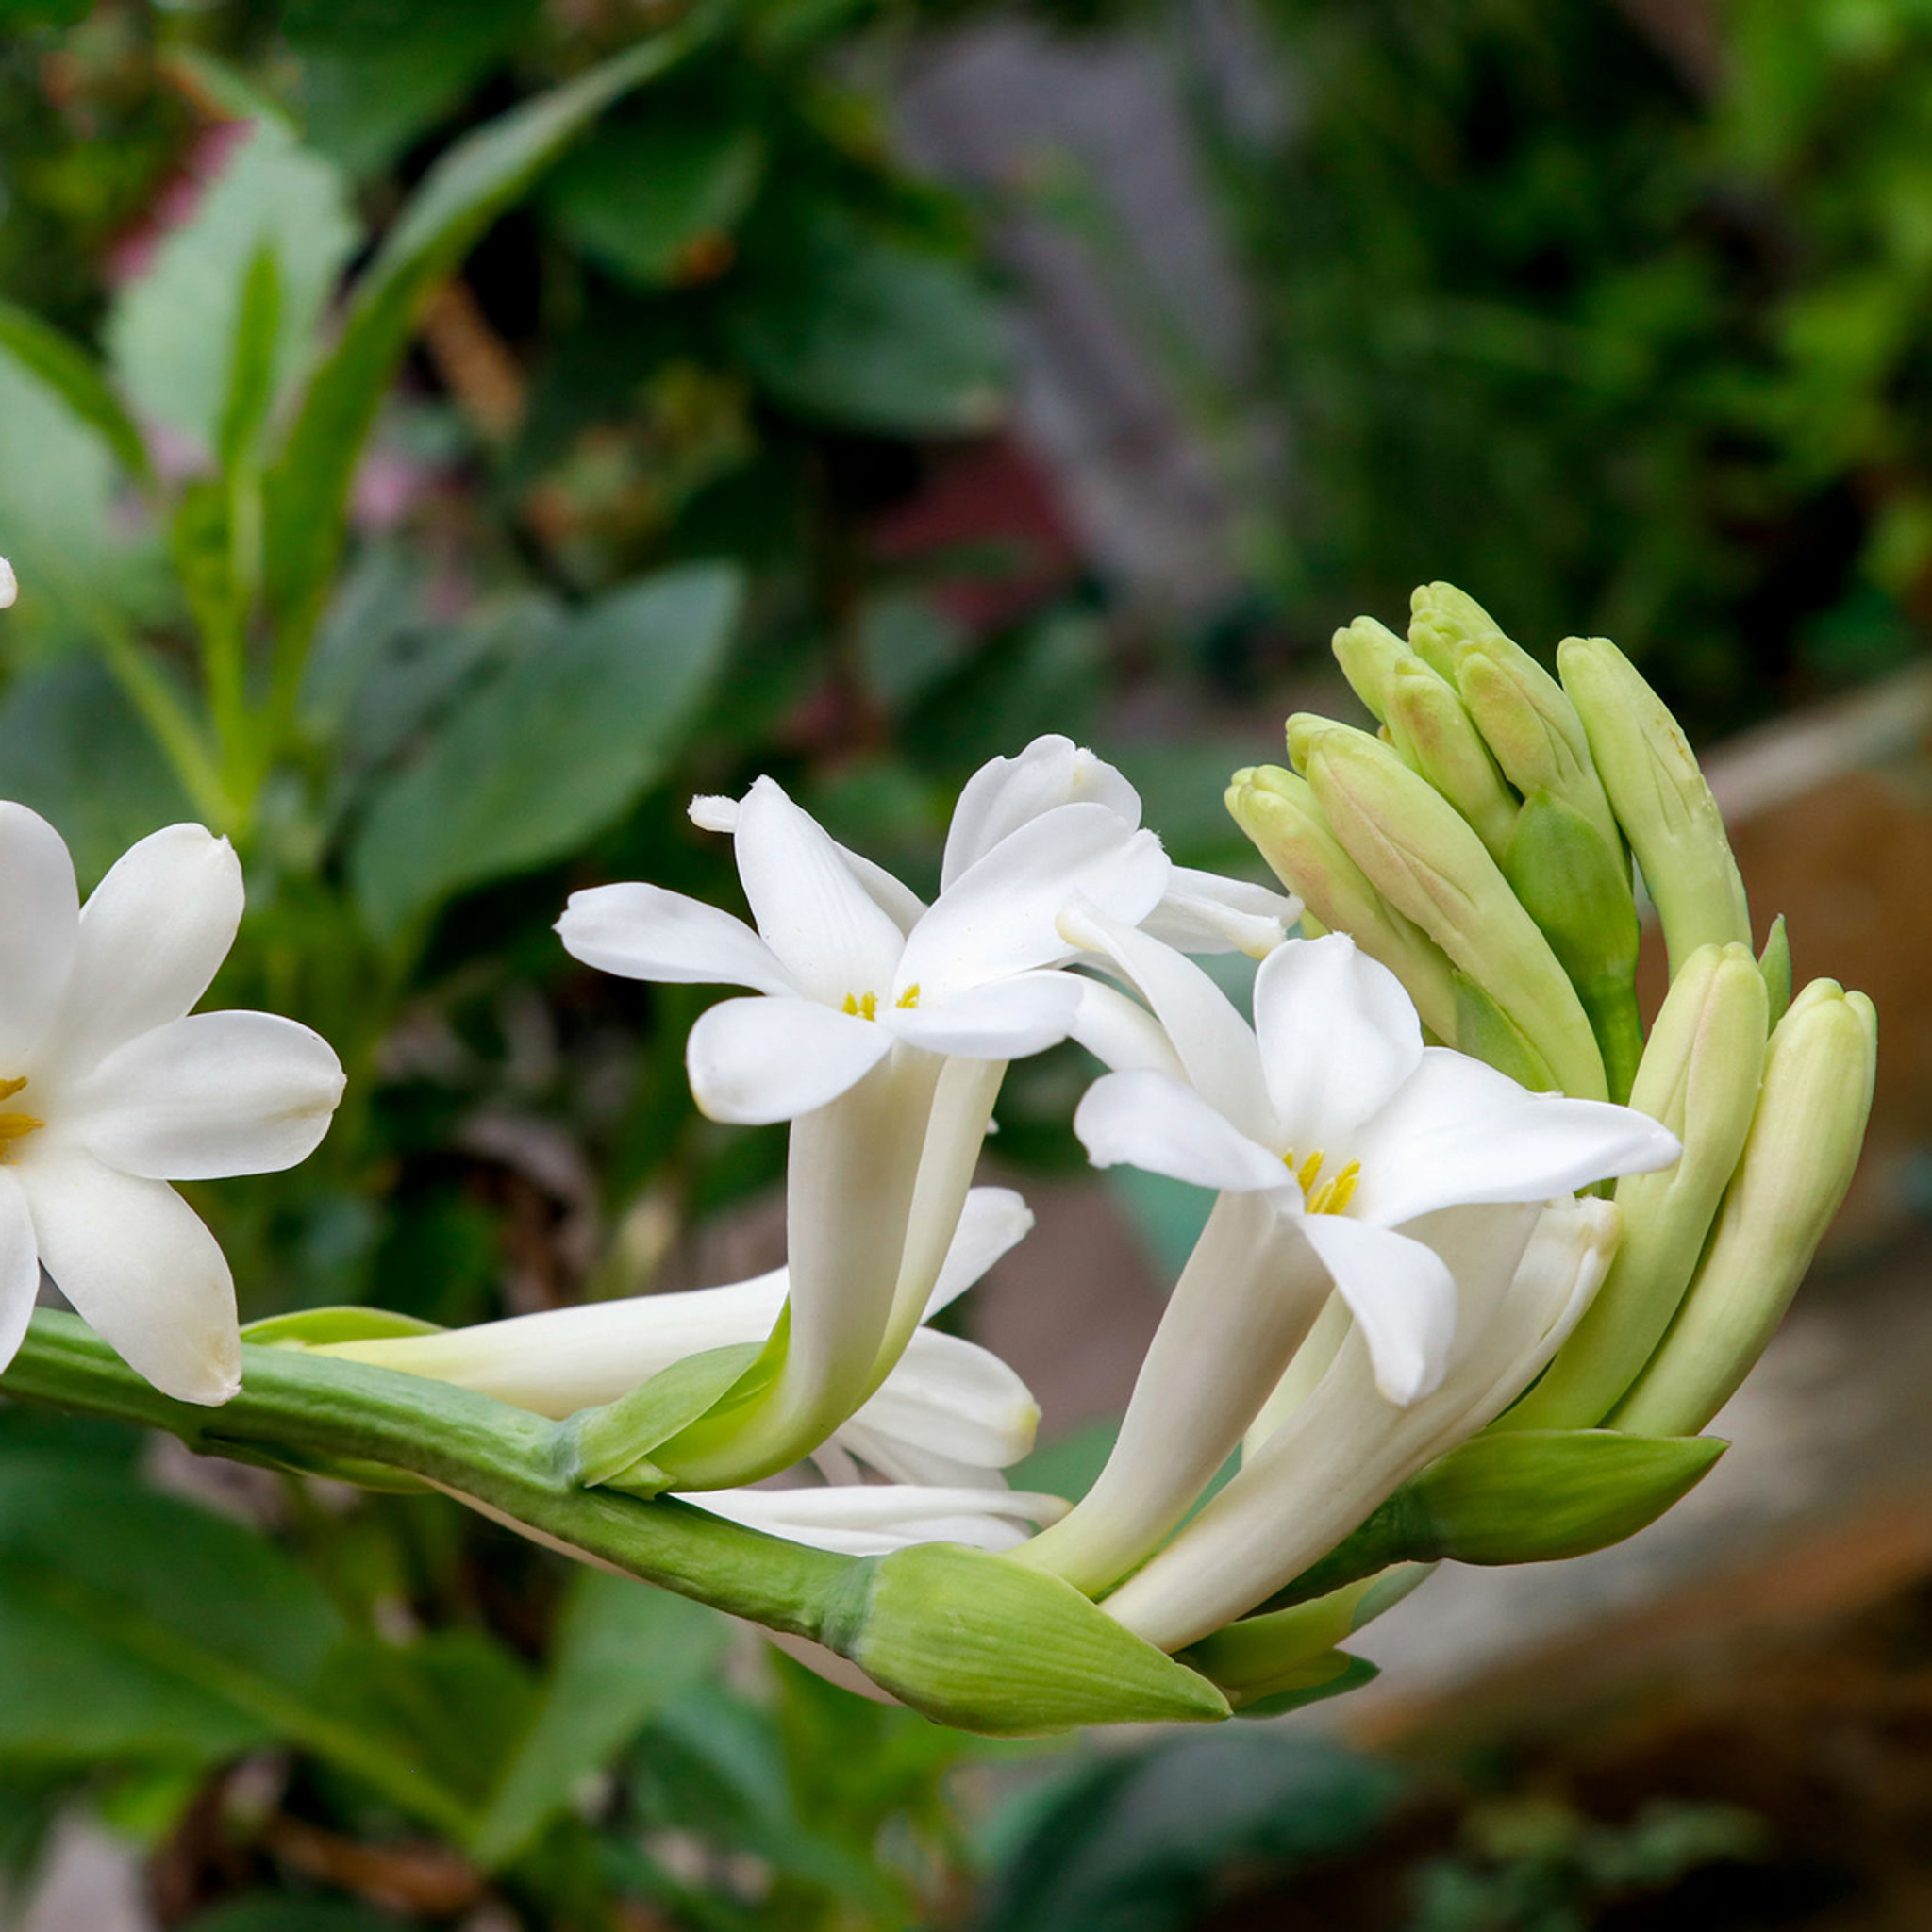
[(1523, 1279)]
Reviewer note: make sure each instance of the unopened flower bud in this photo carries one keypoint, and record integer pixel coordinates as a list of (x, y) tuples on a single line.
[(1368, 652), (1441, 617), (1577, 889), (1422, 856), (977, 1642), (1662, 801), (1798, 1160), (1700, 1078), (1433, 730), (1532, 727), (1277, 810)]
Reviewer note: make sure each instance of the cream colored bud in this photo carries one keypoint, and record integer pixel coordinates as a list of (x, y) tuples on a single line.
[(1433, 730), (1368, 652)]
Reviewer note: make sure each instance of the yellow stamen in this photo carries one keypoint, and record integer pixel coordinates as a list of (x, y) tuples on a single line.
[(862, 1006), (15, 1126), (909, 997), (1333, 1195)]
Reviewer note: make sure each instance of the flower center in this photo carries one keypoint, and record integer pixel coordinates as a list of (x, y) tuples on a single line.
[(1318, 1196), (865, 1005), (14, 1126)]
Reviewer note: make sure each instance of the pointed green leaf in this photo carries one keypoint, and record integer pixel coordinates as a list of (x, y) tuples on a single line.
[(66, 369)]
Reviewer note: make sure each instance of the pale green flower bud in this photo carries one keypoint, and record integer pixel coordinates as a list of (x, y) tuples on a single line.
[(1439, 618), (1368, 652), (1699, 1077), (1431, 728), (1798, 1160), (1532, 727), (985, 1645), (1421, 855), (1277, 810), (1662, 801), (1577, 889)]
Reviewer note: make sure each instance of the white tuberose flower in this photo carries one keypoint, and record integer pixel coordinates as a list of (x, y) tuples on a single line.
[(112, 1089), (1332, 1108), (1523, 1279), (10, 585), (842, 980)]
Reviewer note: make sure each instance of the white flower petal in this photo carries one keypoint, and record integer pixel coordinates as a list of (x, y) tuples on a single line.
[(1461, 1132), (1153, 1121), (993, 1221), (869, 1519), (643, 932), (710, 811), (1338, 1038), (1005, 1020), (1402, 1295), (756, 1060), (1203, 912), (213, 1094), (832, 936), (1005, 794), (20, 1266), (137, 1263), (1000, 916), (10, 585), (153, 934), (37, 934), (958, 1400), (1216, 1045)]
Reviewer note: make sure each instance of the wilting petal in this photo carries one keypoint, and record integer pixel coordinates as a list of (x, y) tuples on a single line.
[(1216, 1045), (213, 1094), (993, 1221), (1005, 794), (1463, 1132), (1001, 915), (1203, 912), (869, 1519), (1338, 1037), (959, 1400), (761, 1060), (37, 935), (1402, 1295), (20, 1266), (643, 932), (832, 936), (1155, 1121), (137, 1263), (1005, 1020), (153, 934)]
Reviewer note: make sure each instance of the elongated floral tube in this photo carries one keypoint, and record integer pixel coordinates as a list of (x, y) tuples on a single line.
[(1798, 1160), (1529, 723), (1369, 653), (1244, 1303), (850, 1184), (1420, 853), (1525, 1278), (1433, 730), (1699, 1076), (1662, 800), (1278, 811)]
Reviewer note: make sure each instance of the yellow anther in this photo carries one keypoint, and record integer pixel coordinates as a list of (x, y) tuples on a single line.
[(1306, 1172), (1333, 1196), (15, 1126), (862, 1006), (909, 997)]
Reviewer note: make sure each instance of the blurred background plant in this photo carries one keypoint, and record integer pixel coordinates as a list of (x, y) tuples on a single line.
[(438, 438)]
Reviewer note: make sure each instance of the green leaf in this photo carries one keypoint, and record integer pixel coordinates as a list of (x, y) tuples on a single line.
[(71, 747), (550, 751), (56, 483), (278, 1911), (375, 74), (134, 1625), (173, 335), (622, 1652), (469, 187), (858, 329), (637, 198), (66, 369), (252, 359)]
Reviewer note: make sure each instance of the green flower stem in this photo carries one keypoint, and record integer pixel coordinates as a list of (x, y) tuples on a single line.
[(513, 1465)]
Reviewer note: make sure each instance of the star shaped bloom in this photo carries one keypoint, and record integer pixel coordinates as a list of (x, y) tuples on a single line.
[(840, 978), (1331, 1109), (112, 1089)]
